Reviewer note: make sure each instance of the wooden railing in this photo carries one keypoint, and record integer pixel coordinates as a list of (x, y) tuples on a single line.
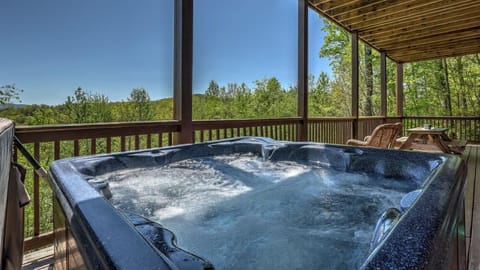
[(48, 143), (279, 129), (464, 128), (330, 130)]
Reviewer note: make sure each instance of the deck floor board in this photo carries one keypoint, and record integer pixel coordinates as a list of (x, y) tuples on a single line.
[(473, 243)]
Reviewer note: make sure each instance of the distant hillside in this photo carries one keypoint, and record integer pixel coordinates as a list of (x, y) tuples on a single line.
[(12, 106)]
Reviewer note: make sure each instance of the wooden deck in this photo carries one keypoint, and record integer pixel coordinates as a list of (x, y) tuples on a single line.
[(472, 206), (39, 260), (42, 259)]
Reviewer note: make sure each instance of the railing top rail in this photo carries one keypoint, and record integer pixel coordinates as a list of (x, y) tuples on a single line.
[(371, 117), (444, 117), (29, 134), (234, 123), (331, 119)]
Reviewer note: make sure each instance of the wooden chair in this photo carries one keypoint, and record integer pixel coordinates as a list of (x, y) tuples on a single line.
[(382, 136)]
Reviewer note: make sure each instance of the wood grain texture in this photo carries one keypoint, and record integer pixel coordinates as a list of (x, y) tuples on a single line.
[(409, 31)]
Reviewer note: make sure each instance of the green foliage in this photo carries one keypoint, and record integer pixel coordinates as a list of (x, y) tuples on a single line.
[(268, 99), (441, 87), (85, 107), (9, 92), (140, 105)]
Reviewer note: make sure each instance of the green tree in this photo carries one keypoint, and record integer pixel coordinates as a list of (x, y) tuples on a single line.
[(77, 106), (213, 89), (268, 93), (8, 93), (319, 100), (140, 102), (85, 107)]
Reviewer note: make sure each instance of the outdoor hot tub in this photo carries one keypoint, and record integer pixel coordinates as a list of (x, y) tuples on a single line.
[(256, 203)]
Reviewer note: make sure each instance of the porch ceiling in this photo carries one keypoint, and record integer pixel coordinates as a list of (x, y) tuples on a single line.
[(410, 30)]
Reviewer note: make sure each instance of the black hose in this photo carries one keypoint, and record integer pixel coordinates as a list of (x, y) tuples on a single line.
[(38, 169)]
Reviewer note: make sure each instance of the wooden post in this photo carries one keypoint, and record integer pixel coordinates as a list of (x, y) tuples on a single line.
[(183, 53), (399, 93), (383, 85), (302, 94), (355, 84)]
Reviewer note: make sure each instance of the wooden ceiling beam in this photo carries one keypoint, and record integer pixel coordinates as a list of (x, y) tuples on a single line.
[(315, 2), (361, 7), (452, 37), (412, 31), (409, 30), (436, 54), (422, 27), (458, 41), (437, 47), (425, 14), (383, 9), (328, 6)]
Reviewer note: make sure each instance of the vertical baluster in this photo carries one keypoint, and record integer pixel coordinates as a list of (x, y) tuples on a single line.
[(293, 134), (93, 146), (149, 140), (109, 144), (122, 143), (342, 139), (332, 132), (312, 127), (56, 151), (338, 132), (343, 135), (314, 132), (76, 148), (36, 193), (318, 131), (137, 142), (170, 138), (311, 132), (335, 138), (327, 132)]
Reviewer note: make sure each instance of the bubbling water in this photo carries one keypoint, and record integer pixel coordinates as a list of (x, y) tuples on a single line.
[(243, 212)]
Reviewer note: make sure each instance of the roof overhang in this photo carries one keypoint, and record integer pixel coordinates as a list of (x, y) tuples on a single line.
[(409, 30)]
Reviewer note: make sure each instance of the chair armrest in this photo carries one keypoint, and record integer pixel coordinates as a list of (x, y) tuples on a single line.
[(400, 141), (355, 142), (457, 146)]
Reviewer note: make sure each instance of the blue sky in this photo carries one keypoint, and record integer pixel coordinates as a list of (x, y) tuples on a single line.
[(51, 47)]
